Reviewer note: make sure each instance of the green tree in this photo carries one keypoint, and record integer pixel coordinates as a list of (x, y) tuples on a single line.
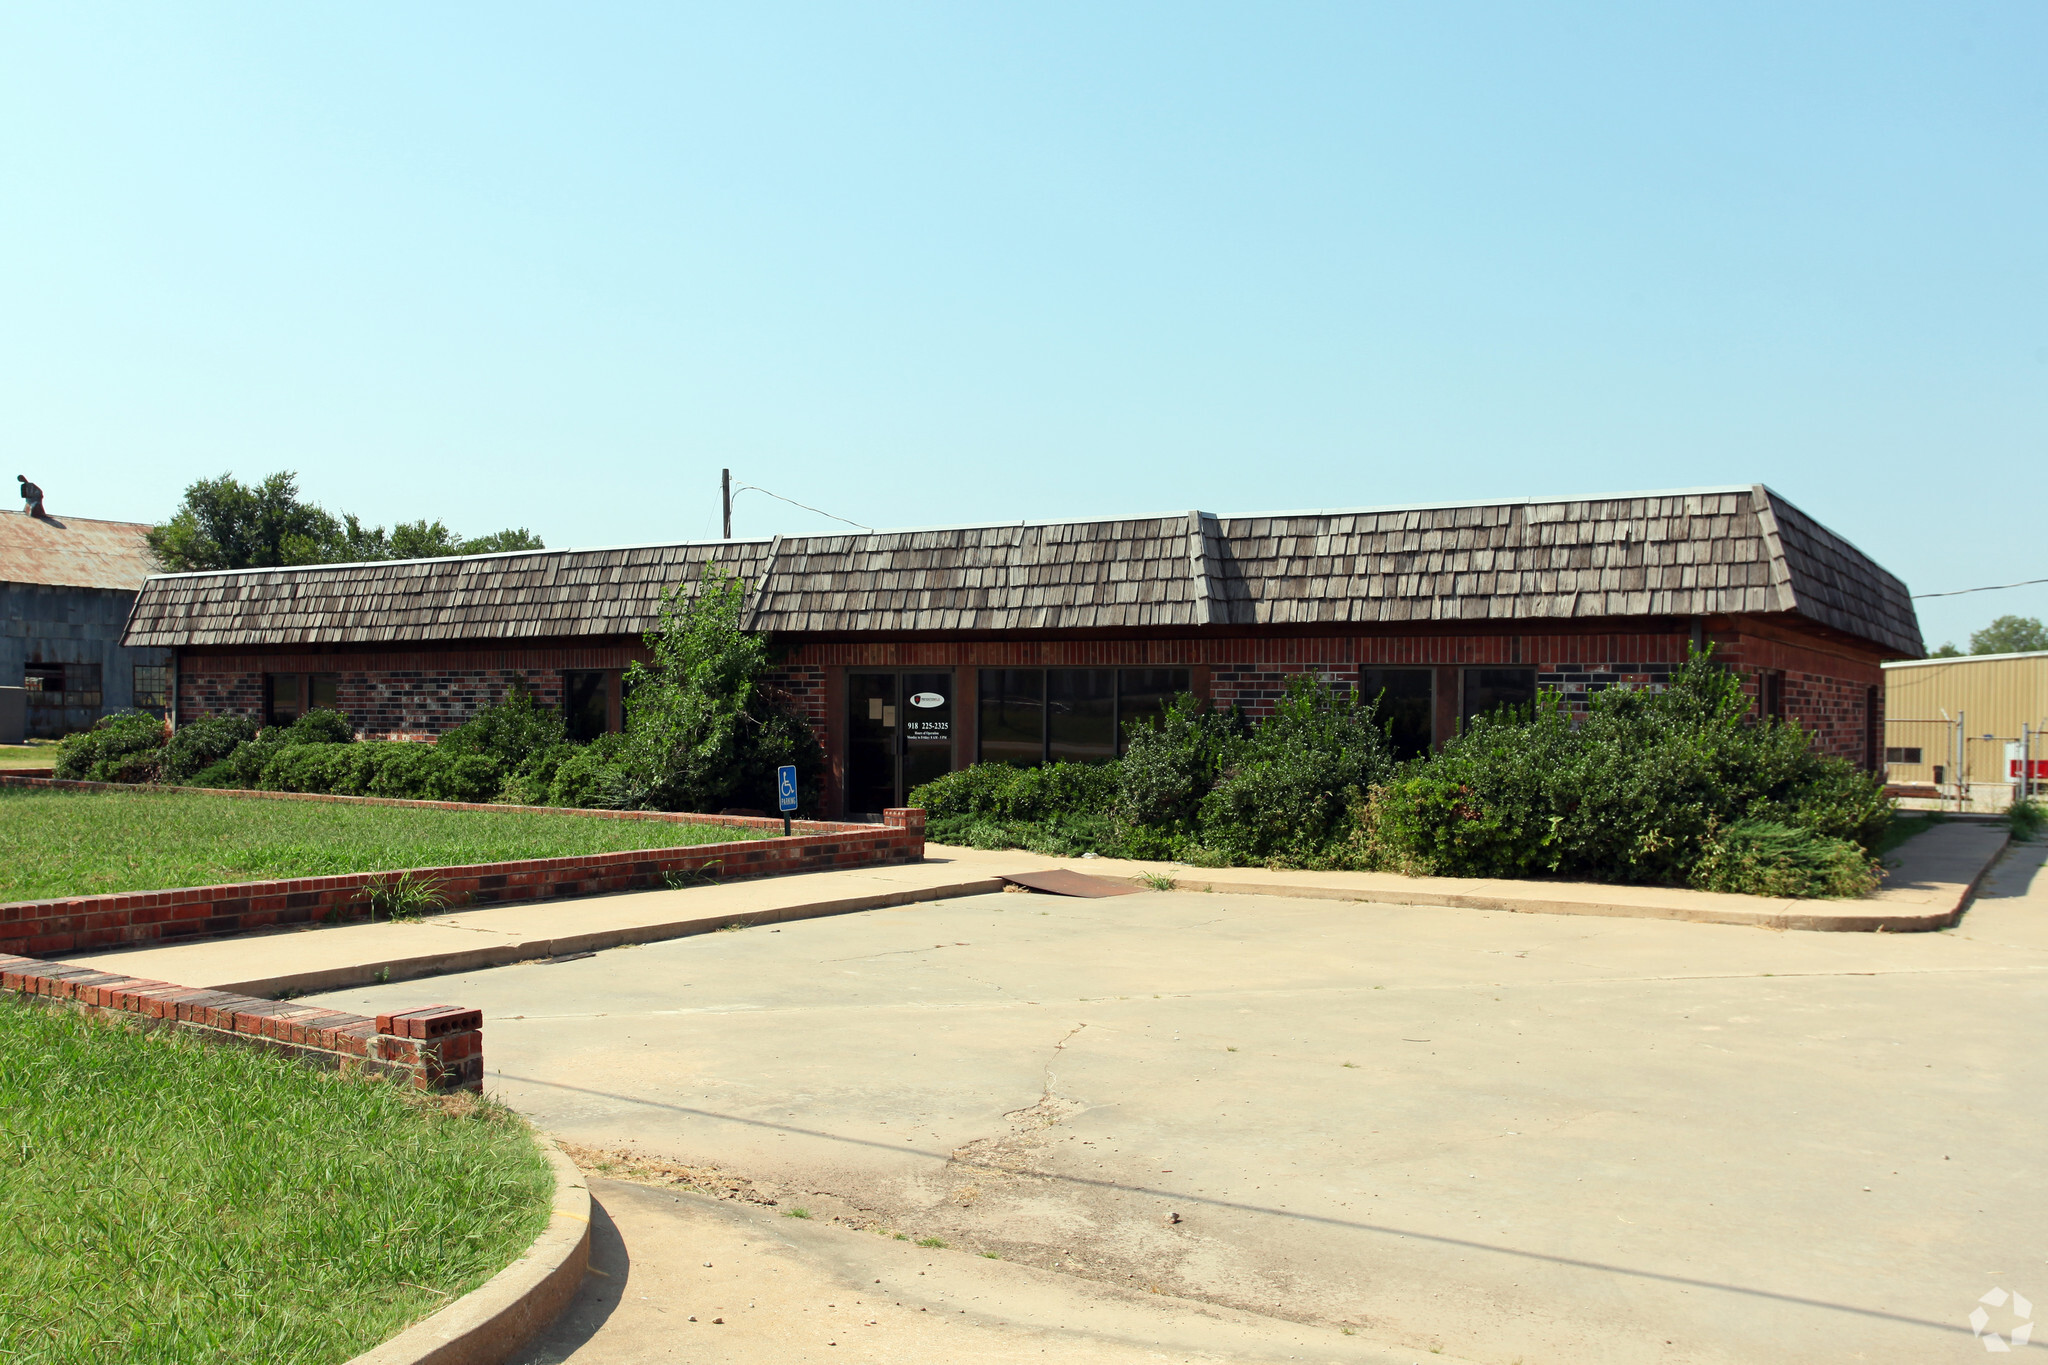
[(499, 541), (704, 728), (226, 524), (1947, 651), (2010, 635)]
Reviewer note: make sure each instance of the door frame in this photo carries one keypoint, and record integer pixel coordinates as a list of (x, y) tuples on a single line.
[(844, 706)]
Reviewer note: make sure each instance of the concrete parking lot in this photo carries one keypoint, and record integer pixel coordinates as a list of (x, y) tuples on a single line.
[(1311, 1130)]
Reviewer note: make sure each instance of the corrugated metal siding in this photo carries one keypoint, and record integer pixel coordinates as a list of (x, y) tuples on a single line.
[(43, 624), (1995, 696)]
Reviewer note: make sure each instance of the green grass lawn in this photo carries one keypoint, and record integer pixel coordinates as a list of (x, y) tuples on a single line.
[(166, 1200), (43, 755), (66, 843)]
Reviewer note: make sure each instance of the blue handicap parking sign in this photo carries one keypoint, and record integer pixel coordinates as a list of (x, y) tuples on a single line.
[(785, 785)]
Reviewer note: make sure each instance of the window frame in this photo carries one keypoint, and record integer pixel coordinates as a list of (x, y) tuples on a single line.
[(1119, 712), (137, 693)]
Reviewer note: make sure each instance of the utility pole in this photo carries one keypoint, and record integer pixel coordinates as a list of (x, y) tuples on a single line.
[(725, 497)]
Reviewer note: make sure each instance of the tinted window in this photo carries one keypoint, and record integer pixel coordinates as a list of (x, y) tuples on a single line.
[(1080, 714), (1142, 693), (1407, 706), (1489, 689), (585, 705), (281, 698), (324, 690), (1012, 715)]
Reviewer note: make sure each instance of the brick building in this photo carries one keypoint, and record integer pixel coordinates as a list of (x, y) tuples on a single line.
[(915, 652)]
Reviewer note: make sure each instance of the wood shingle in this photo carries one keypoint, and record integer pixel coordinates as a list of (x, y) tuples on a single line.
[(1722, 551)]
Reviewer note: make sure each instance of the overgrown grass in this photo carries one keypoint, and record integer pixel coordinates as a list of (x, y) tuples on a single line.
[(68, 843), (165, 1200)]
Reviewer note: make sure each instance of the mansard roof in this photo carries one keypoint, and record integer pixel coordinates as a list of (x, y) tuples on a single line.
[(1718, 551)]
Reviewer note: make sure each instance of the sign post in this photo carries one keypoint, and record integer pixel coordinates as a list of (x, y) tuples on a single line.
[(785, 791)]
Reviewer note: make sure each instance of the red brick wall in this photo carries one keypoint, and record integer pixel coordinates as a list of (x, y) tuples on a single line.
[(126, 919), (1827, 691), (438, 1048), (411, 695), (423, 693)]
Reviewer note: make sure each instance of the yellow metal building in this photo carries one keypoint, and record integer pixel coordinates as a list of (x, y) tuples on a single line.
[(1950, 723)]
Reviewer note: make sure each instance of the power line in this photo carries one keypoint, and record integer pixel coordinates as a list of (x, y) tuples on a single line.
[(1995, 587), (751, 488)]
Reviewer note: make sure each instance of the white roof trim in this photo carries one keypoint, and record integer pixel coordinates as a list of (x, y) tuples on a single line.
[(1968, 659)]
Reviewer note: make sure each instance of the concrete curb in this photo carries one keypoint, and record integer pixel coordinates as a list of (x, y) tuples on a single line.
[(503, 954), (1932, 897), (1890, 922), (493, 1321)]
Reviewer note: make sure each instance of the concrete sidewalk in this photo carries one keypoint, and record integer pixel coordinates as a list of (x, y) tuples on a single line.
[(1937, 872), (306, 958), (1930, 879)]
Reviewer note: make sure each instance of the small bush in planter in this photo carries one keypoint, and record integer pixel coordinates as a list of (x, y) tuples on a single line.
[(126, 746), (200, 744), (512, 732)]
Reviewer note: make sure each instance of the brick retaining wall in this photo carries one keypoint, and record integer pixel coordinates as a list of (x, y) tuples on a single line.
[(439, 1048), (131, 918)]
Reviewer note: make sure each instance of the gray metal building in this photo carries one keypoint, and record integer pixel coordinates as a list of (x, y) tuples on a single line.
[(66, 585)]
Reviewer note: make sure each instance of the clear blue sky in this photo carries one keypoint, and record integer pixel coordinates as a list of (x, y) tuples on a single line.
[(554, 267)]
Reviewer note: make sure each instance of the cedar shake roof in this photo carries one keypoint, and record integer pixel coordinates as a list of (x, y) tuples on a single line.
[(1702, 552), (74, 552)]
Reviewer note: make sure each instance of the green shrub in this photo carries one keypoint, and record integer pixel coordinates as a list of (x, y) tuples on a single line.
[(972, 791), (320, 726), (200, 744), (1766, 858), (126, 746), (1484, 806), (217, 775), (1290, 786), (313, 768), (1004, 791), (511, 732), (1059, 789), (244, 767), (1059, 836), (1631, 793), (473, 778), (593, 776), (532, 782), (1167, 768), (705, 729), (248, 761), (406, 771), (2026, 818)]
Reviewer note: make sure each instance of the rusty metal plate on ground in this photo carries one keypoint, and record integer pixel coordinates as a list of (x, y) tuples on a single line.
[(1060, 882)]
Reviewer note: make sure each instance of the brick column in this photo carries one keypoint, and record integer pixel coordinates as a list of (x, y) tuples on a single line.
[(909, 819), (442, 1046)]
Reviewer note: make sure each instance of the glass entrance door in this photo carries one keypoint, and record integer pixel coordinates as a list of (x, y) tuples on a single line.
[(899, 733)]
